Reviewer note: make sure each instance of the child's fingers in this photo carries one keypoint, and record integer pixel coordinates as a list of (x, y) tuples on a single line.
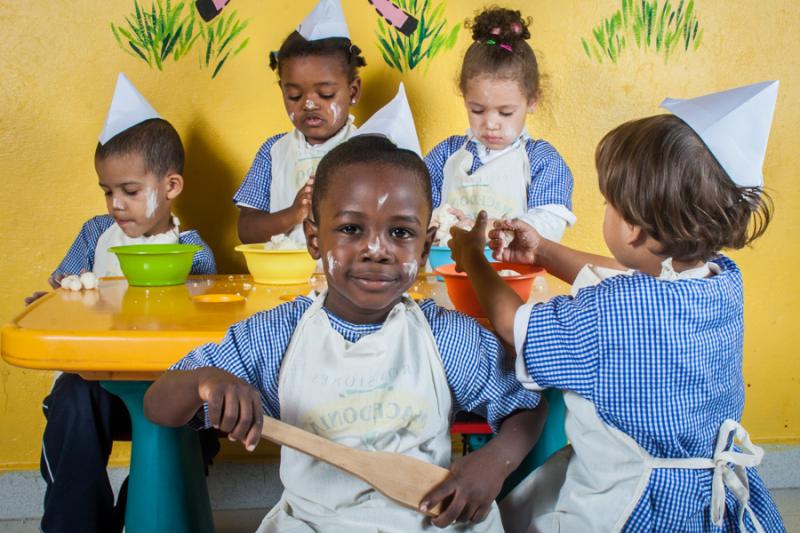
[(245, 420), (452, 512), (467, 512), (480, 223), (230, 411), (254, 435), (55, 281), (214, 402), (481, 513), (437, 495)]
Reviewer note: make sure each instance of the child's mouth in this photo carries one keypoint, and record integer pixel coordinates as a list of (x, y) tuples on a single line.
[(313, 121), (373, 281)]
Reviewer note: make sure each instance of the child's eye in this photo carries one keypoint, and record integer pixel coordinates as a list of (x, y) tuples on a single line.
[(349, 229), (401, 233), (327, 96), (131, 192), (476, 111), (505, 114), (293, 98)]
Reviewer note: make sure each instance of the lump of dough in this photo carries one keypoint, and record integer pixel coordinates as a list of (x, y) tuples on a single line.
[(507, 272), (283, 242), (72, 283), (88, 280)]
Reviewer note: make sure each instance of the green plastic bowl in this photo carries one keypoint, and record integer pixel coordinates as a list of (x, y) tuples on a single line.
[(150, 265)]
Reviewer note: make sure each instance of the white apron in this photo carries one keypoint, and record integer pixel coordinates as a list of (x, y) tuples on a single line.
[(598, 489), (386, 392), (293, 162), (106, 263), (500, 186)]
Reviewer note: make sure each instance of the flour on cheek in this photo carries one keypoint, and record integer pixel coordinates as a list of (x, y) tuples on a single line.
[(152, 202)]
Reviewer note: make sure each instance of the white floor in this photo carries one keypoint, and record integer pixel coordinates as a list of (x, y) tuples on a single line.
[(244, 520)]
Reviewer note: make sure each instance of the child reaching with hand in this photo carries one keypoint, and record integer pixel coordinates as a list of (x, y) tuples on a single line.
[(362, 364), (317, 67), (497, 166), (648, 349)]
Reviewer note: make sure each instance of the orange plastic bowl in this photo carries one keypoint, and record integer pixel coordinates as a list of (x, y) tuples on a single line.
[(463, 296)]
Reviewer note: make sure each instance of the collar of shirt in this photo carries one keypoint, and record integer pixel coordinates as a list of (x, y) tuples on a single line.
[(338, 138), (484, 154)]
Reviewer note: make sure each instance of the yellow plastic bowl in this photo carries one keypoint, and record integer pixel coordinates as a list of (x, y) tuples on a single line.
[(277, 267)]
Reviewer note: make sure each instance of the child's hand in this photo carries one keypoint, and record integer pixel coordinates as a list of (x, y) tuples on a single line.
[(302, 200), (523, 246), (464, 222), (465, 244), (234, 406), (35, 296), (469, 491), (55, 280)]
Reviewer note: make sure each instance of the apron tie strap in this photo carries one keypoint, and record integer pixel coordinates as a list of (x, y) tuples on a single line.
[(730, 470), (735, 476)]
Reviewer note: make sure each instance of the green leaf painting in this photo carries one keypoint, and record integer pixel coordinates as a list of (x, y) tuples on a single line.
[(431, 36), (650, 25), (167, 30)]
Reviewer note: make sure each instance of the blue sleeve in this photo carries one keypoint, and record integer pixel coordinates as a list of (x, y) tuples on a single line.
[(562, 345), (80, 255), (252, 350), (551, 178), (254, 190), (435, 161), (203, 261), (473, 362)]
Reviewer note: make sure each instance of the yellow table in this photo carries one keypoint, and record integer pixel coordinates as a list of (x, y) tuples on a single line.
[(126, 336)]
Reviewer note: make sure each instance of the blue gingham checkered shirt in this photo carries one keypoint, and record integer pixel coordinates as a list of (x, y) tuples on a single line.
[(471, 355), (80, 255), (551, 179), (254, 190), (662, 362)]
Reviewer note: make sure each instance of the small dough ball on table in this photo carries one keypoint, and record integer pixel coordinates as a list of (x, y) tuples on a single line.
[(88, 280), (72, 283)]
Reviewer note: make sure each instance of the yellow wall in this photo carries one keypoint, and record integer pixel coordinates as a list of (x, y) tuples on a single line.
[(59, 63)]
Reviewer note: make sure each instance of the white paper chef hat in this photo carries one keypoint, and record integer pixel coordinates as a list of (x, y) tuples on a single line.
[(394, 121), (325, 21), (734, 125), (128, 108)]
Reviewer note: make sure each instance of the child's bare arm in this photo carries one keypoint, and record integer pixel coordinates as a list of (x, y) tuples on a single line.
[(234, 406), (477, 479), (528, 246), (498, 300), (259, 226)]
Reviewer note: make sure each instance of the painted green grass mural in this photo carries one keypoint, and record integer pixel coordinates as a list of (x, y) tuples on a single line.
[(431, 36), (650, 25), (169, 31)]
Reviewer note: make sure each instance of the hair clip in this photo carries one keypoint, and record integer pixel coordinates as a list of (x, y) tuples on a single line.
[(495, 31), (507, 47), (491, 42), (516, 27)]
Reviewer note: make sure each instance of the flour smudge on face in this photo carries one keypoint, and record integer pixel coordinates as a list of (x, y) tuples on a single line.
[(117, 204), (410, 269), (382, 200), (152, 202)]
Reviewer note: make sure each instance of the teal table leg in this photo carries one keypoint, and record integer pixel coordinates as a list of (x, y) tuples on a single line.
[(553, 439), (167, 487)]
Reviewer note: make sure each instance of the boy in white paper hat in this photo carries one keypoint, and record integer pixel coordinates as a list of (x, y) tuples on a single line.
[(363, 364), (648, 350), (139, 163), (317, 67)]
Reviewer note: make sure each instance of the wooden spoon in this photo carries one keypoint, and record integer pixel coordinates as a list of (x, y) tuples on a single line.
[(403, 479)]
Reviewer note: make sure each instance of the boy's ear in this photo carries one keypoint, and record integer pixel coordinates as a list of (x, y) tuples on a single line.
[(355, 90), (429, 237), (174, 183), (635, 235), (532, 105), (311, 230)]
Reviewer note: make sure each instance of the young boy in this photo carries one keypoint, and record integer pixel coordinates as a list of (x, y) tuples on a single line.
[(362, 364), (139, 163)]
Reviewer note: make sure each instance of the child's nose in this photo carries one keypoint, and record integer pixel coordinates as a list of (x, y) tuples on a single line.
[(309, 104), (375, 249), (117, 204)]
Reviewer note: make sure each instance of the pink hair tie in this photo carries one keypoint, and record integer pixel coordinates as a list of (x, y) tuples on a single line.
[(495, 31), (516, 28), (505, 46)]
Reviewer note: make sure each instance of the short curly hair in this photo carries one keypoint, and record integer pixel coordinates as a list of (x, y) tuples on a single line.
[(156, 140), (659, 175), (374, 149), (500, 49)]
